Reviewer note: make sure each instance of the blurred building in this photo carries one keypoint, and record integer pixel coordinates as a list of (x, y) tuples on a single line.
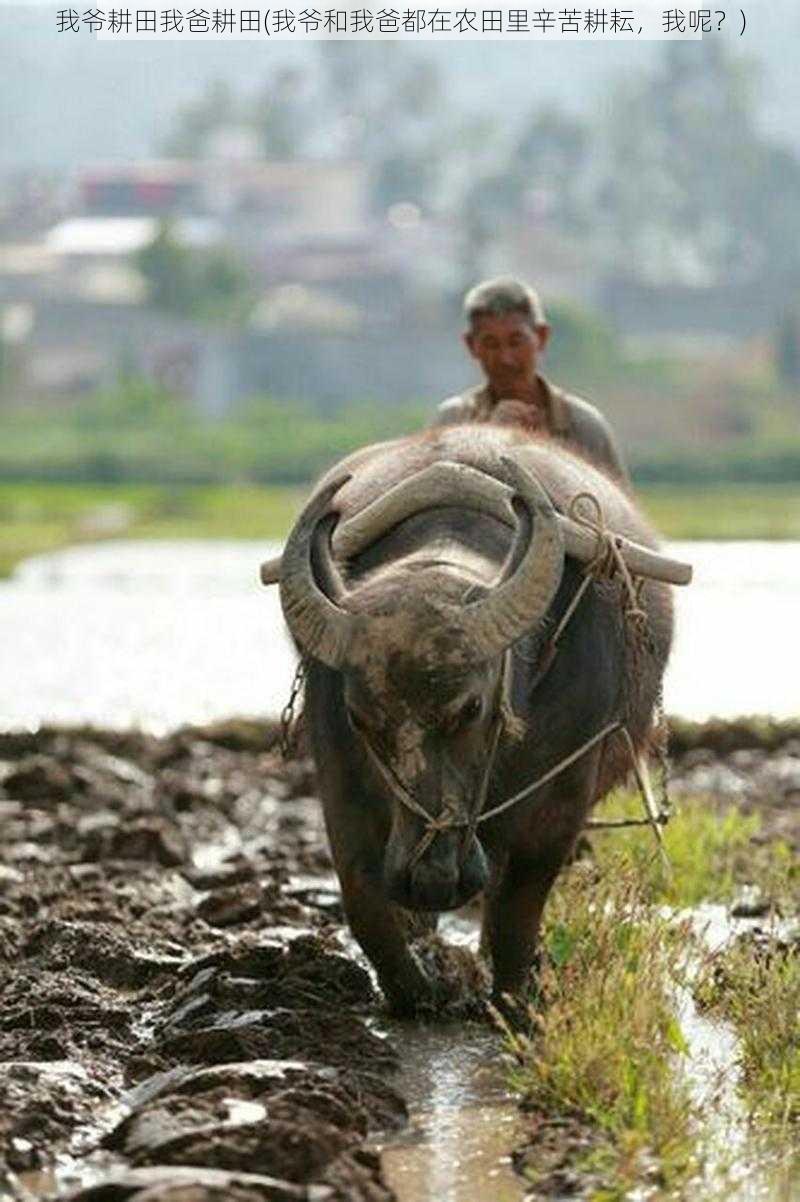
[(348, 304), (344, 301)]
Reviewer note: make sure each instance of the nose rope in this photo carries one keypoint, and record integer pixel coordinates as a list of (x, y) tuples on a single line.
[(607, 562), (452, 816)]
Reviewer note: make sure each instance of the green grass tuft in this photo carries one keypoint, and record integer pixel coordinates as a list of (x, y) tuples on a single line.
[(755, 985), (713, 851), (602, 1067), (606, 1035)]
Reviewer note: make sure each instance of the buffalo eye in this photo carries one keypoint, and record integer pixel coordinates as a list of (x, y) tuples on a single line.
[(471, 711)]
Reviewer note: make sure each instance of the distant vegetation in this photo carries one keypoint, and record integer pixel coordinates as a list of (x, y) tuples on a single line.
[(138, 461), (209, 284), (140, 433), (714, 199)]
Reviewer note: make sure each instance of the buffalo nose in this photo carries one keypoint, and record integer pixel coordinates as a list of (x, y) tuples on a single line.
[(442, 879), (433, 887)]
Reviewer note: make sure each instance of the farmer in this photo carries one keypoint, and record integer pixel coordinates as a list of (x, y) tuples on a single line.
[(507, 334)]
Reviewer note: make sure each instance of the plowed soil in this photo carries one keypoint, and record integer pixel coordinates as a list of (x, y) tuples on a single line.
[(183, 1017)]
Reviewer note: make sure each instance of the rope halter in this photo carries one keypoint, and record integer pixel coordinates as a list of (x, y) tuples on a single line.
[(452, 816), (608, 562)]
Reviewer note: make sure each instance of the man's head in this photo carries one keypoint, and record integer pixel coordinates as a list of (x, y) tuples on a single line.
[(506, 333)]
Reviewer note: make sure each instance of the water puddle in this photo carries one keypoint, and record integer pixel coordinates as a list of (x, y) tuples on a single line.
[(738, 1168), (464, 1123), (66, 1174)]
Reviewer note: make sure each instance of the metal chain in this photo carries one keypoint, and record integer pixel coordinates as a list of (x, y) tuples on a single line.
[(288, 720)]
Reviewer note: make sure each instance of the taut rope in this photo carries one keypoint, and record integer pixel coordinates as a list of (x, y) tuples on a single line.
[(607, 562)]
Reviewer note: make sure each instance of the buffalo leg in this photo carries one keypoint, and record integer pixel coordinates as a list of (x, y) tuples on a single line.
[(512, 915), (518, 891), (379, 929)]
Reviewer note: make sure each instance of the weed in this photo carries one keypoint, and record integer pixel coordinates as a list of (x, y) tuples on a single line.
[(601, 1068), (755, 985), (606, 1036), (713, 850)]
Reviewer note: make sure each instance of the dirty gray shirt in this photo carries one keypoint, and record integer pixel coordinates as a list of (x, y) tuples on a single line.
[(570, 419)]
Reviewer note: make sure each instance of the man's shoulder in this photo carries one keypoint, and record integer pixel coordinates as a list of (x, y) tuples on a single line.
[(578, 412), (583, 424), (461, 407)]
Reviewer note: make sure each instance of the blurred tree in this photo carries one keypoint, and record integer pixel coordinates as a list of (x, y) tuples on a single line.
[(166, 265), (690, 190), (209, 283), (282, 116), (551, 155), (392, 112), (584, 346), (544, 167), (386, 109), (216, 107)]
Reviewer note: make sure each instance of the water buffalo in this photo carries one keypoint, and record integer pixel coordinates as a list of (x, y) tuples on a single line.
[(422, 584)]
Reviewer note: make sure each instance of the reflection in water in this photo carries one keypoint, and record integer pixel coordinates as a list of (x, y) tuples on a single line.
[(738, 1166), (464, 1120), (157, 634), (464, 1123)]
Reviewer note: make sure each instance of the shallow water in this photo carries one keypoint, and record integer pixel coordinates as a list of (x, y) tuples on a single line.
[(158, 634), (464, 1122), (737, 1169)]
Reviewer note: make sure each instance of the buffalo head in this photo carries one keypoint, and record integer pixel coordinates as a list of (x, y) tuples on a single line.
[(423, 657)]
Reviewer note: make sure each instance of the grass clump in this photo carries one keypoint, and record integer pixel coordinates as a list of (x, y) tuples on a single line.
[(713, 851), (755, 986), (606, 1035), (36, 518), (605, 1067)]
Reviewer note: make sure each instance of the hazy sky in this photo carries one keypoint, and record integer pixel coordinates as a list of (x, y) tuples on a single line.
[(66, 99)]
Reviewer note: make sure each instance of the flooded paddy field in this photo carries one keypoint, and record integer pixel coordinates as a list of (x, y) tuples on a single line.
[(184, 1018), (153, 635)]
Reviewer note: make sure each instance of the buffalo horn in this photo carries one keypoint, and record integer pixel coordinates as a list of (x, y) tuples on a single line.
[(456, 483), (438, 485), (270, 570), (320, 626), (530, 577)]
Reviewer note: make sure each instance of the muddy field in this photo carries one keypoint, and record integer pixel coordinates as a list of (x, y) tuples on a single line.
[(183, 1017)]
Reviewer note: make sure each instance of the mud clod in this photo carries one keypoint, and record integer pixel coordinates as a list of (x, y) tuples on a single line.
[(182, 1016), (176, 999)]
